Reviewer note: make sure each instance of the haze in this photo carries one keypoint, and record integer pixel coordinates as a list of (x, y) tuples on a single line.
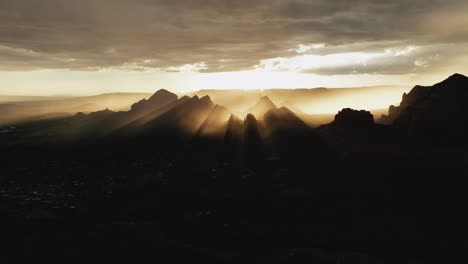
[(87, 47)]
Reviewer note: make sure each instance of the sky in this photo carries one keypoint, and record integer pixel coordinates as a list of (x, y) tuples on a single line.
[(74, 47)]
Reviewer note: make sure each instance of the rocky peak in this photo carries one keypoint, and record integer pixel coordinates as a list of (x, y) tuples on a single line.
[(354, 118), (263, 105), (158, 99)]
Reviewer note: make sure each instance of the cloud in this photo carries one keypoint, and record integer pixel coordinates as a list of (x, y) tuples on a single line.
[(226, 35), (391, 61)]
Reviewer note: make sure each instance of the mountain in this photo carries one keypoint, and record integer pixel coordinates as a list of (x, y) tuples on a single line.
[(355, 126), (253, 141), (145, 110), (310, 102), (291, 138), (184, 119), (263, 105), (162, 114), (438, 109), (313, 101), (30, 110), (102, 123), (354, 118), (157, 100), (234, 135), (215, 125)]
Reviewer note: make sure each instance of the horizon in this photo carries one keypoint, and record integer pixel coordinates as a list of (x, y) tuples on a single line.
[(70, 88), (202, 90)]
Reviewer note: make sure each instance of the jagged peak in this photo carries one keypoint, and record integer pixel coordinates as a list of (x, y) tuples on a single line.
[(419, 87), (80, 114), (266, 99), (455, 78), (282, 109), (283, 112), (234, 118), (105, 111), (162, 92), (285, 109), (205, 98), (250, 117), (221, 108), (156, 99), (263, 105)]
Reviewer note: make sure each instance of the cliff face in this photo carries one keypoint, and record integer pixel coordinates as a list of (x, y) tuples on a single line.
[(417, 94), (434, 109)]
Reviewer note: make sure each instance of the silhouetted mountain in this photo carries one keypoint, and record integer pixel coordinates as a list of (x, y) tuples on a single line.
[(216, 123), (33, 109), (354, 118), (102, 123), (235, 131), (101, 114), (436, 110), (283, 119), (354, 126), (315, 101), (252, 140), (415, 95), (149, 116), (144, 109), (156, 101), (261, 107), (290, 137), (161, 114), (184, 119), (81, 119)]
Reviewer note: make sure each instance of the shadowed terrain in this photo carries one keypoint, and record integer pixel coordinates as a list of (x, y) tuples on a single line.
[(188, 178)]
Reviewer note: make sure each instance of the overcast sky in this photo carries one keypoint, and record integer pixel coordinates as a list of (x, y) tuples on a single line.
[(94, 46)]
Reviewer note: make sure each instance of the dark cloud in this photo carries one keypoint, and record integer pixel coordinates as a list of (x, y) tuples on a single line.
[(225, 35)]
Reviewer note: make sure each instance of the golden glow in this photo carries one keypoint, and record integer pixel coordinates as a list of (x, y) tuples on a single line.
[(310, 101), (64, 82), (372, 99)]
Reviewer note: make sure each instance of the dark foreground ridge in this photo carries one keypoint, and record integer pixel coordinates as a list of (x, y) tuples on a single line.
[(184, 179)]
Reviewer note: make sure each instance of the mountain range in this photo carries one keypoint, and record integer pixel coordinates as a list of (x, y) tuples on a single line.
[(424, 111), (315, 105)]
